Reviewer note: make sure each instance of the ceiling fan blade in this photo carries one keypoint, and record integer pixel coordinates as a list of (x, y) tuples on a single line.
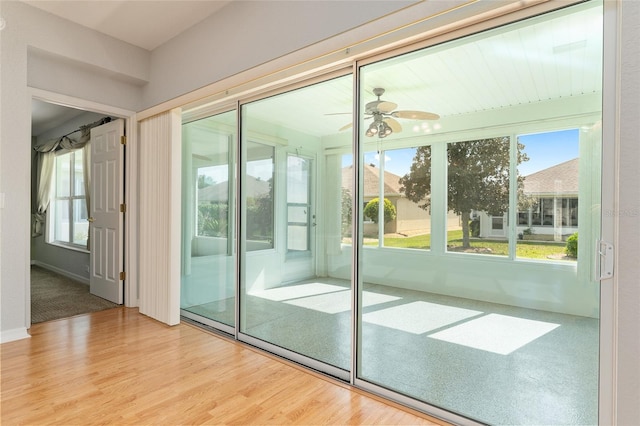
[(415, 115), (385, 106), (395, 126), (345, 127)]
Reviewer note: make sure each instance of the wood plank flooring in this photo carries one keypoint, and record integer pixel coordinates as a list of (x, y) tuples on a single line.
[(120, 367)]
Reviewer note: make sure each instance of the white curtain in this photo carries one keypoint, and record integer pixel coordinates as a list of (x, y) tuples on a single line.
[(86, 170), (45, 173)]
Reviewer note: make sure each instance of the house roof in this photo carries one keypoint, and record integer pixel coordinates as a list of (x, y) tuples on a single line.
[(371, 181), (219, 192), (559, 179)]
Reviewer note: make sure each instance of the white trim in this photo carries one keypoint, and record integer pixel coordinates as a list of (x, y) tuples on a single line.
[(611, 88), (14, 334), (75, 277), (131, 179)]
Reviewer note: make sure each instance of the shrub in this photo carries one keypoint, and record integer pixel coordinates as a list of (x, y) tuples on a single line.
[(212, 219), (371, 210), (474, 227), (571, 249)]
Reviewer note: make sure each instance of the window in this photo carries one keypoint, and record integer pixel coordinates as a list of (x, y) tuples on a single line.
[(212, 190), (260, 170), (68, 215), (478, 180)]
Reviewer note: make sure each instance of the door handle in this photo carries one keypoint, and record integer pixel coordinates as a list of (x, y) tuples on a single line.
[(604, 260), (91, 220)]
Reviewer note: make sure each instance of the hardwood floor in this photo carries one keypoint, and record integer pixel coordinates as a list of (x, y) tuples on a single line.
[(120, 367)]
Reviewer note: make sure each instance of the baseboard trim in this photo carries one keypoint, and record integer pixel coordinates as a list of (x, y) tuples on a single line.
[(80, 278), (14, 334)]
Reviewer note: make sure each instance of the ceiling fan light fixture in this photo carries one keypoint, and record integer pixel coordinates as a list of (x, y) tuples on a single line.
[(372, 130)]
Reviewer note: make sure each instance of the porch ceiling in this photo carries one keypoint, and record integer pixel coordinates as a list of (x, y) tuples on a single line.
[(523, 64)]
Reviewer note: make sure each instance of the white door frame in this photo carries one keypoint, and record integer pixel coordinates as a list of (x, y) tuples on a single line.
[(130, 179)]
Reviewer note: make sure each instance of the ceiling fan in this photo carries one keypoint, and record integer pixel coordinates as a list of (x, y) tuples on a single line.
[(384, 117)]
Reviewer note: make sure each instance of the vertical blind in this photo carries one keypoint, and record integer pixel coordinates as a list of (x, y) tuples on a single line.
[(159, 221)]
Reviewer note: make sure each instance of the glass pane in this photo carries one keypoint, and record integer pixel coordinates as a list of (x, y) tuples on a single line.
[(548, 202), (80, 222), (208, 193), (63, 175), (78, 175), (412, 169), (259, 195), (478, 184), (298, 214), (298, 180), (62, 222), (297, 237), (212, 193), (346, 193), (297, 296), (486, 323)]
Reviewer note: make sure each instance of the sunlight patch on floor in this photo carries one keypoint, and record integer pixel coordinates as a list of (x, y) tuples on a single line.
[(280, 294), (333, 303), (418, 317), (496, 333)]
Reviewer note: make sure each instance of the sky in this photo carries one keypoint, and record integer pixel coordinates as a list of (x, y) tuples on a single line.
[(543, 149)]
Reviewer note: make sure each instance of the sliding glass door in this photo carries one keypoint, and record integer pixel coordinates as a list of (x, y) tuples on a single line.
[(431, 255), (493, 309), (295, 298), (208, 211)]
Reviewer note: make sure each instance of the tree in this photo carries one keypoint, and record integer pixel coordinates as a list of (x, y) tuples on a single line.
[(204, 181), (371, 210), (346, 212), (477, 178)]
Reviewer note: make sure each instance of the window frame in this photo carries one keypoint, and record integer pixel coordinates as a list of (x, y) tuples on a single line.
[(51, 215)]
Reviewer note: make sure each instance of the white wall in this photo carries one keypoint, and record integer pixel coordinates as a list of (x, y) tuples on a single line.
[(80, 63), (245, 34)]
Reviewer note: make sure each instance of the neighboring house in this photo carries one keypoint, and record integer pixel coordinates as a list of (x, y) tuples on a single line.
[(549, 208), (410, 218), (219, 192)]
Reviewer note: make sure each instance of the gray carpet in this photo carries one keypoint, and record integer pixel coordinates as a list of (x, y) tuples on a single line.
[(55, 296)]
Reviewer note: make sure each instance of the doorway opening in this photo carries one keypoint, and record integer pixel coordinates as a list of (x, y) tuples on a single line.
[(64, 238)]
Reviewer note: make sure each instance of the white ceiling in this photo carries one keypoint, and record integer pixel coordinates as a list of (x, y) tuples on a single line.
[(146, 24), (46, 116)]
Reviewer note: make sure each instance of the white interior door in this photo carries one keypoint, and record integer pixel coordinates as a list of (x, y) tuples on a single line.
[(105, 216)]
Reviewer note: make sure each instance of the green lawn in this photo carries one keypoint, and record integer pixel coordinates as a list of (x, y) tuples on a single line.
[(524, 249)]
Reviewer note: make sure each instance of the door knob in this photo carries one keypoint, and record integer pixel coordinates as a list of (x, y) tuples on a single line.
[(91, 220)]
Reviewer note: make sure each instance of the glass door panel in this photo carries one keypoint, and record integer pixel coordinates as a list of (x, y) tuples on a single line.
[(299, 207), (208, 279), (495, 321), (295, 286)]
